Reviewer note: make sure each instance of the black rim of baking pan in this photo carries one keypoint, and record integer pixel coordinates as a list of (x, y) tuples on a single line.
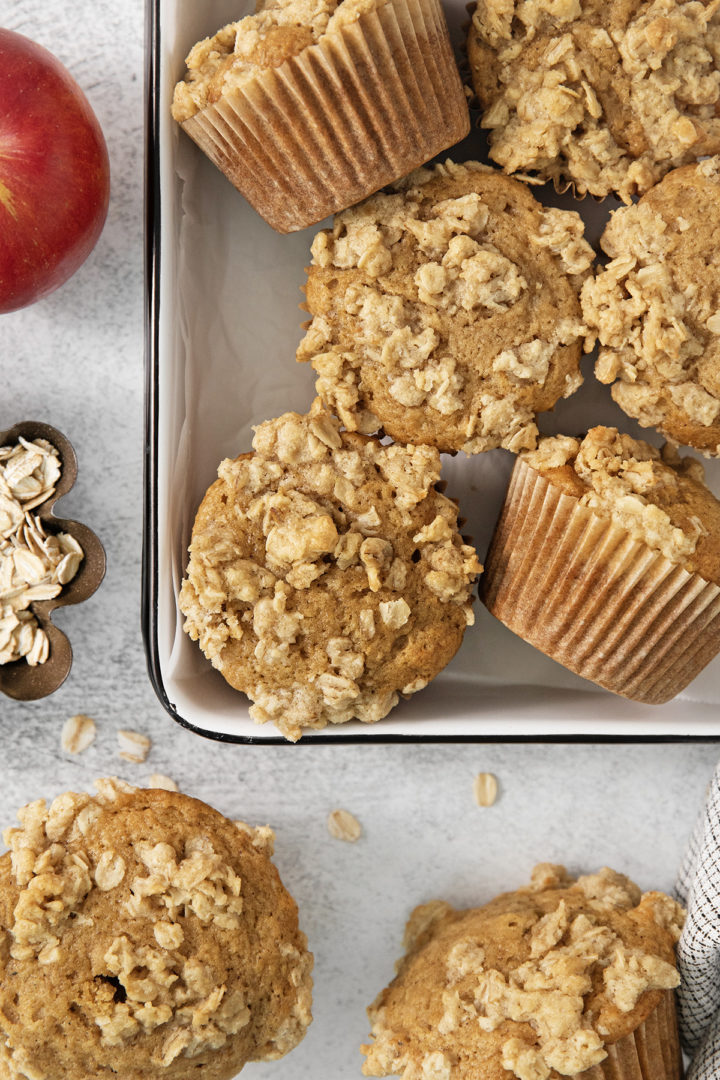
[(153, 210)]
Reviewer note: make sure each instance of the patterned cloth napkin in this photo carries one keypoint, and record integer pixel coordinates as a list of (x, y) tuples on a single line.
[(698, 888)]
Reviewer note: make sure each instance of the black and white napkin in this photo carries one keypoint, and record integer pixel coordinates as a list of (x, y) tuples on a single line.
[(698, 889)]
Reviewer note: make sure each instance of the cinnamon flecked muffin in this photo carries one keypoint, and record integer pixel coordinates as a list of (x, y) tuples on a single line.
[(327, 575), (144, 935), (607, 558), (607, 97), (447, 311), (564, 977), (656, 307), (308, 106), (275, 32)]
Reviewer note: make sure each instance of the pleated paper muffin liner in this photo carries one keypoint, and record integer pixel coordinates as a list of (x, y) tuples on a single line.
[(651, 1052), (578, 587), (343, 118)]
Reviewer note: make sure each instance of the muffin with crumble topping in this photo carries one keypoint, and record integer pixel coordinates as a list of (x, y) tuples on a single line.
[(562, 978), (327, 574), (144, 935), (447, 310), (308, 106), (607, 558)]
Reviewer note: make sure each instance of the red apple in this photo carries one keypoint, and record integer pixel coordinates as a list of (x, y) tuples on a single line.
[(54, 173)]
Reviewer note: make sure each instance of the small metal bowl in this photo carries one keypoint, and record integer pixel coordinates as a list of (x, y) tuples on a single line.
[(18, 679)]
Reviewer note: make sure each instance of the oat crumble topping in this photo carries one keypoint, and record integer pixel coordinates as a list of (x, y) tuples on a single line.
[(56, 864), (577, 960), (411, 334), (233, 56), (628, 480), (657, 318), (330, 518), (582, 93)]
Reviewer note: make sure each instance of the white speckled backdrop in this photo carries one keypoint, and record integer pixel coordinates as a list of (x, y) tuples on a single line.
[(76, 361)]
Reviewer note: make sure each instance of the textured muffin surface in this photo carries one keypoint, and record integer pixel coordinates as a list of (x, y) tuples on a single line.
[(656, 307), (660, 498), (327, 575), (278, 30), (607, 96), (447, 311), (533, 985), (145, 935)]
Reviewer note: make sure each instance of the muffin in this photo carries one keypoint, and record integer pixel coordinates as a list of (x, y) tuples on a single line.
[(144, 934), (447, 311), (562, 977), (607, 558), (607, 97), (327, 575), (656, 307), (308, 106)]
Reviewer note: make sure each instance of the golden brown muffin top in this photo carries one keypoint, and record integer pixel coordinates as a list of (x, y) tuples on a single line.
[(327, 574), (659, 497), (279, 30), (532, 985), (144, 935), (447, 310), (656, 307), (608, 96)]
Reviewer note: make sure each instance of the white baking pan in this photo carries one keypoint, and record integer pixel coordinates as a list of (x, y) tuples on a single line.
[(223, 325)]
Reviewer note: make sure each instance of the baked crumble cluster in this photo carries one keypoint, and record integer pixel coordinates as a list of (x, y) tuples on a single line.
[(447, 311), (656, 307), (327, 576), (608, 97)]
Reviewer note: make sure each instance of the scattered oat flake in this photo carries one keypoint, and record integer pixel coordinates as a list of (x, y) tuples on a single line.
[(159, 780), (133, 746), (77, 733), (344, 826), (485, 788)]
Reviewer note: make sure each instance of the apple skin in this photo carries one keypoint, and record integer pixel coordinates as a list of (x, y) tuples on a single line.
[(54, 173)]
